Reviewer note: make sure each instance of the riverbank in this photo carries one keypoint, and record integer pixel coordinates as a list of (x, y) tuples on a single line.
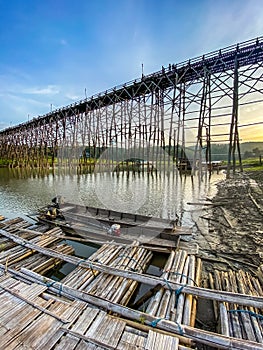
[(231, 227)]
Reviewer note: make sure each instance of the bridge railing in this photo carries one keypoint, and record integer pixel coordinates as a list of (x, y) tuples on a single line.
[(209, 56), (183, 64)]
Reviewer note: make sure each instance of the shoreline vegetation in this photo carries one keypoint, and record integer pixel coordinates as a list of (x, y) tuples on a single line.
[(252, 163), (132, 158)]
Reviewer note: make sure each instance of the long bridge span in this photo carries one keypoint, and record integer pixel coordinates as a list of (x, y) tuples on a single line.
[(185, 109)]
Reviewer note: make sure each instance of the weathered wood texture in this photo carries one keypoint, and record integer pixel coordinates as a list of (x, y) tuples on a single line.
[(237, 320), (243, 299), (18, 255), (175, 305), (205, 337), (156, 109), (115, 288), (30, 321), (38, 312)]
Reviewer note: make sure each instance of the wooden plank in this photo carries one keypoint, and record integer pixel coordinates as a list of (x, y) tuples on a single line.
[(83, 345), (150, 343), (80, 326), (95, 324), (242, 299), (113, 332), (204, 337), (37, 334), (107, 330), (157, 340), (130, 341), (171, 343), (88, 341), (32, 303), (8, 281), (31, 291), (34, 333), (129, 328), (79, 308), (124, 343), (19, 322)]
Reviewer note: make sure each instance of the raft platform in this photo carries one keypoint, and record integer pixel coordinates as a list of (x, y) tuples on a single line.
[(96, 305)]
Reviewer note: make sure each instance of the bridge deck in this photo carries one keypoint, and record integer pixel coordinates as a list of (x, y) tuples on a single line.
[(247, 53)]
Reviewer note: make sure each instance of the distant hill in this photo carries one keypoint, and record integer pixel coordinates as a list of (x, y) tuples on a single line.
[(250, 146), (220, 151)]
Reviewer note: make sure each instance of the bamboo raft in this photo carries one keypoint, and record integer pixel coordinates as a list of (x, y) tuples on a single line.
[(178, 307), (93, 307), (115, 288), (33, 318), (238, 320)]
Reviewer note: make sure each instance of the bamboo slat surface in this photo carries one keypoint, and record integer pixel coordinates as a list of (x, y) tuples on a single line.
[(237, 320), (183, 268), (39, 313), (32, 318), (114, 288), (64, 324), (17, 255)]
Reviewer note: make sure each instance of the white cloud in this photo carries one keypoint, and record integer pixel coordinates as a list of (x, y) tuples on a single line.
[(228, 23), (63, 42), (73, 97), (48, 90)]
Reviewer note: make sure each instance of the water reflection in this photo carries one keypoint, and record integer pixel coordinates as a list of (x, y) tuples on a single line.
[(81, 250), (165, 195)]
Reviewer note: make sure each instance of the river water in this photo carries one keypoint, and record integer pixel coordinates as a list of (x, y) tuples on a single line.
[(165, 195)]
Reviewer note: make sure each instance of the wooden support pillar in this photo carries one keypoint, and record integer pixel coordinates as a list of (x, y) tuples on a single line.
[(233, 134), (202, 124)]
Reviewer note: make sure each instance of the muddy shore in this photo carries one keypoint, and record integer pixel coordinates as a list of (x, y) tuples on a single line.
[(229, 235), (230, 225)]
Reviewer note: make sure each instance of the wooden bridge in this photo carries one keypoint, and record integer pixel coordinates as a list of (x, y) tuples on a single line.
[(183, 109)]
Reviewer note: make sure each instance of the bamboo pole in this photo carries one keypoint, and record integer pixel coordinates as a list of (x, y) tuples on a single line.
[(154, 302), (197, 280), (255, 301), (181, 298), (204, 337), (242, 323), (245, 319), (231, 286), (189, 298), (248, 287), (212, 286), (224, 320)]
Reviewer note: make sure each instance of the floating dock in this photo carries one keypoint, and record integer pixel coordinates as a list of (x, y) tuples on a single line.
[(95, 306)]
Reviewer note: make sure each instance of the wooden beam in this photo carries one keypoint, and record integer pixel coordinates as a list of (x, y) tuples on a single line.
[(255, 301), (202, 336)]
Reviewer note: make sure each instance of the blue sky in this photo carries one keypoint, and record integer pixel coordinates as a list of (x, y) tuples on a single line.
[(55, 51)]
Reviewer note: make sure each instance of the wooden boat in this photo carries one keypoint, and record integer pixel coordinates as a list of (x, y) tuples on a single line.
[(104, 225)]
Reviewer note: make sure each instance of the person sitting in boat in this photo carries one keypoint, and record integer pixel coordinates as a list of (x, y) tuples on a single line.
[(54, 213), (175, 223), (51, 213)]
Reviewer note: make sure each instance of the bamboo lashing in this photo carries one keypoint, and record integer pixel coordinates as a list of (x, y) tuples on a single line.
[(203, 336), (255, 301), (237, 320), (175, 305)]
